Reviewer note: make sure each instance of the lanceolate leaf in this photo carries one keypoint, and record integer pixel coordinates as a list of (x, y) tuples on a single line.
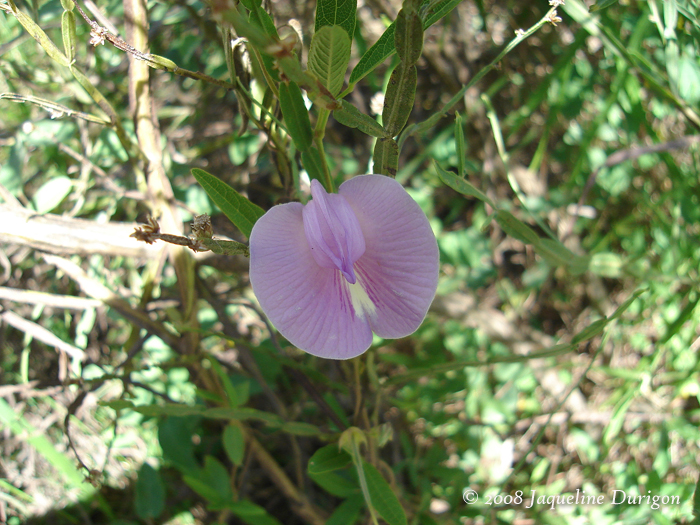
[(251, 513), (408, 38), (311, 160), (384, 500), (384, 47), (150, 493), (461, 185), (601, 4), (398, 101), (438, 11), (329, 56), (375, 55), (234, 443), (336, 13), (260, 17), (352, 117), (69, 34), (386, 157), (328, 459), (347, 512), (296, 116), (239, 210), (516, 228)]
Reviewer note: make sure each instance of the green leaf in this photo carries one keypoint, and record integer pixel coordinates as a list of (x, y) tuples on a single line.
[(408, 37), (399, 97), (606, 264), (554, 252), (327, 459), (150, 493), (243, 414), (239, 210), (602, 4), (296, 116), (384, 500), (231, 392), (175, 439), (117, 404), (234, 443), (169, 409), (299, 428), (386, 157), (347, 512), (461, 146), (385, 46), (618, 417), (69, 34), (38, 34), (461, 185), (516, 228), (375, 55), (590, 331), (250, 27), (352, 117), (212, 483), (329, 57), (336, 13), (628, 302), (689, 79), (335, 484), (696, 504), (52, 193), (260, 17), (159, 62), (251, 513), (311, 160), (685, 314), (438, 10)]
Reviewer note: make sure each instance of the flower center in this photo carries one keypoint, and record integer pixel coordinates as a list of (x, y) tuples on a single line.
[(333, 231)]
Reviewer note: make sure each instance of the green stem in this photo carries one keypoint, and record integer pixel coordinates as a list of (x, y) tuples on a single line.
[(429, 123), (319, 133), (56, 110), (505, 159)]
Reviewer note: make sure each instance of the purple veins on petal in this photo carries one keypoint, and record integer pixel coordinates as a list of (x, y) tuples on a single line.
[(330, 273)]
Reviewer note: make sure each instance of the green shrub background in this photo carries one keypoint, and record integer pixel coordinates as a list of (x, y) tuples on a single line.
[(560, 354)]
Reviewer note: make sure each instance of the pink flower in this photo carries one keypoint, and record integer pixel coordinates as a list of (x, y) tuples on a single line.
[(330, 273)]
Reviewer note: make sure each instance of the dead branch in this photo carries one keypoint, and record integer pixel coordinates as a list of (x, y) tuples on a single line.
[(63, 235)]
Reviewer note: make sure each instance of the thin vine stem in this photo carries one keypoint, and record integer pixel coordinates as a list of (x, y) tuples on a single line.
[(549, 17)]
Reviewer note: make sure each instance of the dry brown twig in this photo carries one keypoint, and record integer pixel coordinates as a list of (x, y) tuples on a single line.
[(201, 241), (99, 35)]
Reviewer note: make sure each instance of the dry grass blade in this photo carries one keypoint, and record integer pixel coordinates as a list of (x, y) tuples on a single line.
[(98, 291), (47, 299), (41, 334)]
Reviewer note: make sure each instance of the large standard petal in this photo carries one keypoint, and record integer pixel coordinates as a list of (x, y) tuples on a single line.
[(399, 269), (310, 305)]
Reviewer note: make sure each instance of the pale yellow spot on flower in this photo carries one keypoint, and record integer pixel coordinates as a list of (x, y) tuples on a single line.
[(361, 302)]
